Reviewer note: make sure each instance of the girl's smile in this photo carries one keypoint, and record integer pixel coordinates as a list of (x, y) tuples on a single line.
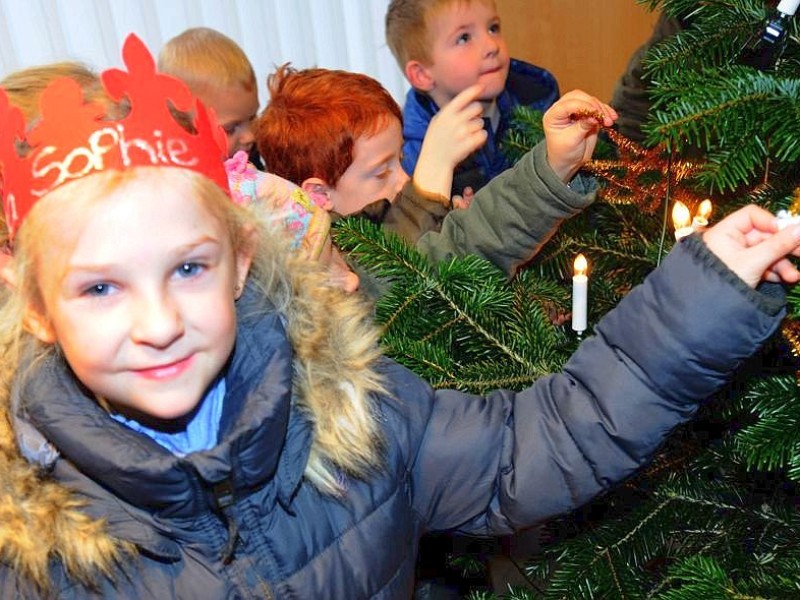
[(166, 371)]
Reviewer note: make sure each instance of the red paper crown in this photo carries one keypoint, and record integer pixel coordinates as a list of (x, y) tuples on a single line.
[(74, 139)]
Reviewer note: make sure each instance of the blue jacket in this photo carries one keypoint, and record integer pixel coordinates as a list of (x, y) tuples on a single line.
[(527, 85), (242, 521)]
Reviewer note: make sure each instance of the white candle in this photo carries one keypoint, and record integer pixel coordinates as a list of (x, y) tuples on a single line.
[(788, 7), (681, 219), (580, 293), (700, 220)]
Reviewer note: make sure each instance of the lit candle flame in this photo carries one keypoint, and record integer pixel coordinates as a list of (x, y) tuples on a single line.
[(681, 217), (580, 265), (704, 210), (580, 294)]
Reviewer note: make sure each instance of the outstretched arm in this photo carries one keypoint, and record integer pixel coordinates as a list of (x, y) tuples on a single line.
[(535, 454)]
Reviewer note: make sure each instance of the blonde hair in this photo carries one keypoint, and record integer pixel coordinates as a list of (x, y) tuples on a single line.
[(407, 23), (334, 340), (24, 87), (204, 58)]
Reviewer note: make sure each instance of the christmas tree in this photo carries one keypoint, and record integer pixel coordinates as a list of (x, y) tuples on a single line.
[(717, 513)]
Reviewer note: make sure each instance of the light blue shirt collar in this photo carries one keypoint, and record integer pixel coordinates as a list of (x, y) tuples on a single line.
[(201, 431)]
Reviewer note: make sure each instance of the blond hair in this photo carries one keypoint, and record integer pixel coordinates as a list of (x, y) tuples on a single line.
[(25, 87), (407, 27), (334, 341), (204, 58)]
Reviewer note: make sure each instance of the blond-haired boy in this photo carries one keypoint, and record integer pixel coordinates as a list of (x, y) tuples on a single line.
[(445, 46), (218, 72)]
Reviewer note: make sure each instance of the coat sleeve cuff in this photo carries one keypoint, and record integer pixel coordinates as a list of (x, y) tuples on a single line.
[(579, 193), (767, 297)]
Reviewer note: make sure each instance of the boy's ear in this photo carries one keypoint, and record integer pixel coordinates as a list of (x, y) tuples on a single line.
[(38, 325), (33, 321), (419, 76), (319, 191)]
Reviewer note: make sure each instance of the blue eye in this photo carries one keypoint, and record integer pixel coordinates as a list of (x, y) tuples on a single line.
[(98, 290), (463, 38), (190, 269), (495, 28)]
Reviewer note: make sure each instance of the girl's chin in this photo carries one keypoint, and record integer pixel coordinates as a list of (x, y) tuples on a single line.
[(165, 416)]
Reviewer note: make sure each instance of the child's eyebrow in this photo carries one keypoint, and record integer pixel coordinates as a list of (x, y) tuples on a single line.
[(459, 28), (189, 247), (176, 252)]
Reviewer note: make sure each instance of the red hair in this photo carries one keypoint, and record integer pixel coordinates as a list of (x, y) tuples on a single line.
[(313, 119)]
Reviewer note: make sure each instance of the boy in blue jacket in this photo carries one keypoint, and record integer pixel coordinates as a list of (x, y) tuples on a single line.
[(445, 46)]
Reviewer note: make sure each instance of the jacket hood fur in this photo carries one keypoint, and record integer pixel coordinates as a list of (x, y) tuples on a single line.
[(335, 347)]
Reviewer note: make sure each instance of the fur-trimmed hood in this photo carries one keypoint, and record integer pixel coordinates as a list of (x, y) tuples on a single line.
[(335, 347)]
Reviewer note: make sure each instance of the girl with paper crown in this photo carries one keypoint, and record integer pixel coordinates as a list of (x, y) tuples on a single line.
[(188, 412)]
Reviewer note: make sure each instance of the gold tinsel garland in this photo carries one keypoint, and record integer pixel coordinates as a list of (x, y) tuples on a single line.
[(641, 176), (791, 333), (794, 207)]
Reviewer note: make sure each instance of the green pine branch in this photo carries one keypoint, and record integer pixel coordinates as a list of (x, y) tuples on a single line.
[(639, 553), (744, 121), (771, 442), (719, 30), (460, 323)]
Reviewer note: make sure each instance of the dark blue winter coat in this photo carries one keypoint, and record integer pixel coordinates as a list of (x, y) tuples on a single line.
[(527, 85), (242, 521)]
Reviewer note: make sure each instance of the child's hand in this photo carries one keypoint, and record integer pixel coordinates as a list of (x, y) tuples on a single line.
[(464, 199), (570, 128), (749, 243), (340, 273), (454, 133)]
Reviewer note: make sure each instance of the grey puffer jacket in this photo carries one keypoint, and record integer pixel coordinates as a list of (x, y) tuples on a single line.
[(241, 521)]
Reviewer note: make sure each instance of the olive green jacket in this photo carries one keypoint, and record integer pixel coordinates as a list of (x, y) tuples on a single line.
[(507, 223)]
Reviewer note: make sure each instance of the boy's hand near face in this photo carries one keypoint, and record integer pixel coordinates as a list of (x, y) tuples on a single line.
[(570, 135), (453, 134)]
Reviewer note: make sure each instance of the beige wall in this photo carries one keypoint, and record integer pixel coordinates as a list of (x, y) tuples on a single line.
[(585, 43)]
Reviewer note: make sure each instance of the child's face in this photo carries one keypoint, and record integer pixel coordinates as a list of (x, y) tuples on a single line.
[(140, 296), (236, 108), (374, 174), (467, 47)]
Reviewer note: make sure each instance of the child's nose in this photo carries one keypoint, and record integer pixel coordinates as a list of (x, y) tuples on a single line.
[(402, 179), (156, 320), (492, 46)]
